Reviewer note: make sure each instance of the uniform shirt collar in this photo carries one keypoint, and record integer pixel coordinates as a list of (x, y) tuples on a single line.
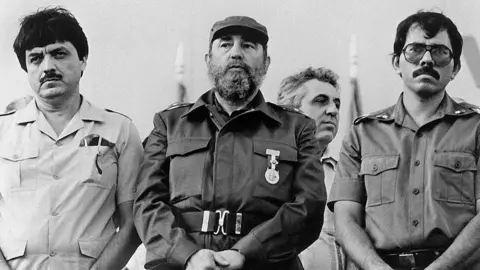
[(207, 99), (90, 112), (330, 156), (446, 107), (87, 111)]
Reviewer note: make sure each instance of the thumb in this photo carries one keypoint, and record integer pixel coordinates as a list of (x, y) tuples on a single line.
[(220, 260)]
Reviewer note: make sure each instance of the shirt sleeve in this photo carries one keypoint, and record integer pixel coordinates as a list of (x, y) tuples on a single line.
[(348, 184), (477, 173), (296, 224), (129, 160), (154, 220)]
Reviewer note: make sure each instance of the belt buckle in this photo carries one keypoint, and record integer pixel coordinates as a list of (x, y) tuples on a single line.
[(221, 221), (406, 259)]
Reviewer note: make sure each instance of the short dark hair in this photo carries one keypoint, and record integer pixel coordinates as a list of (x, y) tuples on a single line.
[(291, 92), (431, 23), (47, 26)]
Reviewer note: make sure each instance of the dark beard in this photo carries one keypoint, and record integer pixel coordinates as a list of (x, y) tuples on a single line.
[(236, 86)]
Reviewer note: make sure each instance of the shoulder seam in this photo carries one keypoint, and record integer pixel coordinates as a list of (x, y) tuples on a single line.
[(8, 113), (112, 111), (287, 108), (176, 105)]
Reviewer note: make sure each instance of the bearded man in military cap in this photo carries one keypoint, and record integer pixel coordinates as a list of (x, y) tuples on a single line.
[(231, 181)]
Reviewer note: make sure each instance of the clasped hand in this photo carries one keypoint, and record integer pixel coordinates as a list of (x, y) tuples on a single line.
[(206, 259)]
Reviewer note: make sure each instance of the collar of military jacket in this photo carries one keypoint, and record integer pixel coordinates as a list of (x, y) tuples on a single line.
[(87, 112), (398, 113), (258, 103)]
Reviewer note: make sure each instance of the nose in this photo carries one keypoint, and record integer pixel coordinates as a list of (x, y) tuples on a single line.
[(332, 109), (48, 64), (426, 59), (236, 51)]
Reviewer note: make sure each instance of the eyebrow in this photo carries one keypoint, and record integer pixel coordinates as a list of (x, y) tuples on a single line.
[(41, 51), (56, 50), (326, 96), (225, 38), (244, 38), (35, 54)]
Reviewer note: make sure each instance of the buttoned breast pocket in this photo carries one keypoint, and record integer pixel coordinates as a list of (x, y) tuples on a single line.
[(380, 177), (273, 189), (99, 166), (454, 177), (187, 165), (18, 171)]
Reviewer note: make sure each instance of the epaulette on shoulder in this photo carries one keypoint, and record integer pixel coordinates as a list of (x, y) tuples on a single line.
[(8, 113), (112, 111), (177, 105), (288, 108), (382, 115), (470, 106), (361, 118)]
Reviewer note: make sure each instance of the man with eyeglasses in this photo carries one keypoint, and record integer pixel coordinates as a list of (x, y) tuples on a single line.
[(407, 186)]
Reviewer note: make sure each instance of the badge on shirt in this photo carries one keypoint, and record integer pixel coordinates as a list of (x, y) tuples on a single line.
[(271, 175)]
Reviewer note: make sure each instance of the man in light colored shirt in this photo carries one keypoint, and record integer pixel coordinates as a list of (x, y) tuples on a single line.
[(316, 93), (406, 193), (67, 168)]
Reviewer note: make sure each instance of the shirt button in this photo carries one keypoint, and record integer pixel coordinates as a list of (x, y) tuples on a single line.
[(56, 177), (58, 143), (416, 191), (457, 164), (415, 223), (375, 168), (15, 156), (52, 254), (416, 163), (419, 135), (54, 214)]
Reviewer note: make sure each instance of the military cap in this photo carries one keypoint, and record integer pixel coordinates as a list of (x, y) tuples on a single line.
[(239, 24)]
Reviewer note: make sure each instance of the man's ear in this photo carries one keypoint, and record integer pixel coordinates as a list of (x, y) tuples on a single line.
[(456, 69), (83, 64), (267, 63), (396, 65), (207, 58)]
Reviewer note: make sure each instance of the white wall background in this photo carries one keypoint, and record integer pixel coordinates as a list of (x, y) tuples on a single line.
[(133, 46)]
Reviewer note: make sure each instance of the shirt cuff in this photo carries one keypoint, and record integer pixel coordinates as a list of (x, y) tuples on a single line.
[(347, 189), (250, 247), (182, 251)]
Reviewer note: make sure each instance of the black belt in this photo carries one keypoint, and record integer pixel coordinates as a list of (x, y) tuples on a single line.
[(219, 222), (409, 259)]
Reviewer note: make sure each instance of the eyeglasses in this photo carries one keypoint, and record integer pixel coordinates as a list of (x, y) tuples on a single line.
[(441, 54)]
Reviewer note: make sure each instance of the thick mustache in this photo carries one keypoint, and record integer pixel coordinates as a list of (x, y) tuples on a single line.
[(50, 76), (426, 70)]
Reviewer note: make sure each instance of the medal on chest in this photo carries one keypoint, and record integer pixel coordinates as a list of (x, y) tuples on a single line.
[(271, 175)]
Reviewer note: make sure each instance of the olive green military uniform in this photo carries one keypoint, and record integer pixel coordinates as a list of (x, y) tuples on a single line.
[(251, 181)]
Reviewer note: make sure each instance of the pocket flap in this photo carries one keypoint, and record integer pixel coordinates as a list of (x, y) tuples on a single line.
[(92, 248), (185, 146), (455, 161), (19, 152), (287, 152), (13, 249), (378, 164)]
